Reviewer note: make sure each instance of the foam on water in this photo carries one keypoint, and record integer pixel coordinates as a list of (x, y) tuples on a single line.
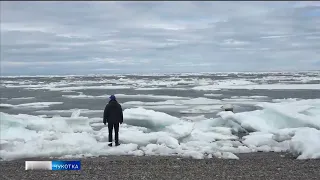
[(291, 126)]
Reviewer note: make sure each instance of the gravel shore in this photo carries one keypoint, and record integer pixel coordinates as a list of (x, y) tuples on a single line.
[(250, 166)]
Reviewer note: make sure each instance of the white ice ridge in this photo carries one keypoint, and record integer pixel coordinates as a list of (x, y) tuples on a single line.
[(291, 126), (63, 86), (246, 84), (313, 72), (23, 98), (194, 105), (140, 96), (178, 102), (195, 81), (31, 105), (83, 88)]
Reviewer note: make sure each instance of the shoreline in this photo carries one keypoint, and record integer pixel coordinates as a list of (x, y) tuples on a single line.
[(240, 155), (253, 166)]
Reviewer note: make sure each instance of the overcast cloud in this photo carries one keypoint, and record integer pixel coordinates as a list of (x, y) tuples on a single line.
[(132, 37)]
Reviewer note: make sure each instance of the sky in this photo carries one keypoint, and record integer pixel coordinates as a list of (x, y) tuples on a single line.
[(48, 38)]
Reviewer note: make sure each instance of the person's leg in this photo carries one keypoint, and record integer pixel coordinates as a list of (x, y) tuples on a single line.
[(116, 129), (110, 128)]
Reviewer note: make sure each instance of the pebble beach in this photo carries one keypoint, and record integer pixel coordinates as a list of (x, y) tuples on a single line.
[(250, 166)]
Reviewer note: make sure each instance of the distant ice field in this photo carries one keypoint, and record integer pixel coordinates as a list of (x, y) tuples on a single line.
[(173, 114)]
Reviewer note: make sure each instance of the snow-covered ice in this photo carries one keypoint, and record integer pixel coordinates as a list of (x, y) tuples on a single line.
[(305, 142), (280, 125), (292, 126), (148, 118)]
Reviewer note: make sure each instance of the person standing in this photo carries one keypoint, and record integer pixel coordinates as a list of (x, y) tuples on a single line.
[(113, 115)]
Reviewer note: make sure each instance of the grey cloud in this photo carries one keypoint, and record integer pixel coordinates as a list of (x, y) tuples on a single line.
[(126, 37)]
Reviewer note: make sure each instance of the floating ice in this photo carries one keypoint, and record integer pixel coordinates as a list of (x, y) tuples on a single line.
[(147, 89), (212, 95), (201, 109), (174, 108), (228, 84), (23, 98), (150, 96), (249, 97), (70, 111), (24, 86), (83, 96), (158, 88), (195, 105), (194, 101), (31, 105), (140, 96), (257, 86), (80, 88), (6, 105)]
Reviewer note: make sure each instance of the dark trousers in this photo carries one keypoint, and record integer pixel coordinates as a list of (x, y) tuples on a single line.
[(116, 130)]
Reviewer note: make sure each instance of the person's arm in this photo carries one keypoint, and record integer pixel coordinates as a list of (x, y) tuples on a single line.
[(121, 113), (105, 115)]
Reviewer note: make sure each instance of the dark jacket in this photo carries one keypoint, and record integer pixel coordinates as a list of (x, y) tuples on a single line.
[(113, 113)]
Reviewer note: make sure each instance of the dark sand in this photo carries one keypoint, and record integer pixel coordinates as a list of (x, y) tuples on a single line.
[(250, 166)]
